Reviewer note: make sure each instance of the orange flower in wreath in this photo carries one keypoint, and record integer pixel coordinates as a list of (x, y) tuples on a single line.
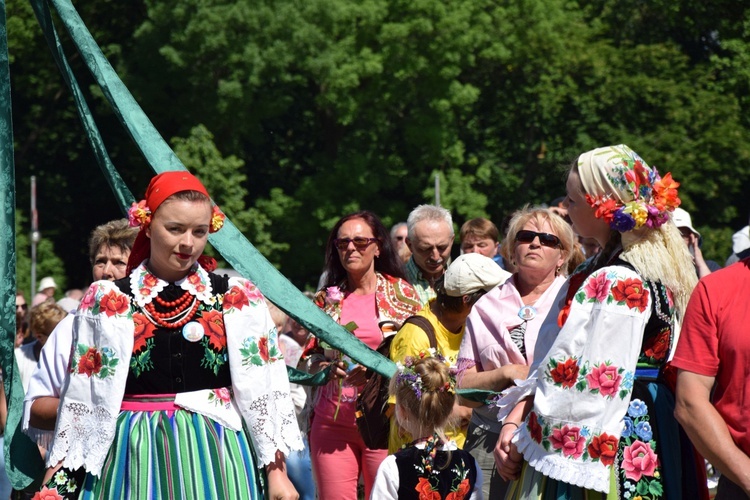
[(665, 193)]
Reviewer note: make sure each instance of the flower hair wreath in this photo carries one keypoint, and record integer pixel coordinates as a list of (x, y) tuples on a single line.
[(406, 374), (654, 198), (139, 215)]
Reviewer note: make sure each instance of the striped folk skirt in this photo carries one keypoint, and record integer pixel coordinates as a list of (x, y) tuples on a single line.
[(169, 454)]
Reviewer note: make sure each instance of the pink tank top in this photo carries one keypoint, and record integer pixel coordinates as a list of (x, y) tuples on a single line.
[(361, 310)]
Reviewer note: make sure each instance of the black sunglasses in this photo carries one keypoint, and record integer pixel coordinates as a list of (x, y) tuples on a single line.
[(360, 242), (22, 306), (545, 239)]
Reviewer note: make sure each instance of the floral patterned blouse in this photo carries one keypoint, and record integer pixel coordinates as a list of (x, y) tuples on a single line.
[(584, 406), (395, 300)]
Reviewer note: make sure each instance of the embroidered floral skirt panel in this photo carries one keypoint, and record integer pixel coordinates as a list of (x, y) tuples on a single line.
[(654, 460), (174, 455)]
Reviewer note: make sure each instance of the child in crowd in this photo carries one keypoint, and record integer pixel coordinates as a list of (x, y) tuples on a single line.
[(431, 467)]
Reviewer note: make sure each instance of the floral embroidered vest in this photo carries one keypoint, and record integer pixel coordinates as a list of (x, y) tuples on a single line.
[(450, 481)]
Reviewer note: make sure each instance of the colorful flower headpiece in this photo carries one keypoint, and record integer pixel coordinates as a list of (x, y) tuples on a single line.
[(139, 215), (653, 197), (407, 375)]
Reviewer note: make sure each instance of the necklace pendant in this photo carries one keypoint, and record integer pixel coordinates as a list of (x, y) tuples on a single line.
[(193, 331), (527, 313)]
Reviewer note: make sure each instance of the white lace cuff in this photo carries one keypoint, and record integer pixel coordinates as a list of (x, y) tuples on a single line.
[(515, 394)]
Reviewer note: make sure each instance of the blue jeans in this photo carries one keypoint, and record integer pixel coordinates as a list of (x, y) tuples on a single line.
[(299, 470)]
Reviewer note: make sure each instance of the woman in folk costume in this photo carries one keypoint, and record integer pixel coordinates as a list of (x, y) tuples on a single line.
[(176, 387), (599, 423)]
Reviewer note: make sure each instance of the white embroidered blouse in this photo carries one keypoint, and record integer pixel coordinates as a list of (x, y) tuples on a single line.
[(103, 341)]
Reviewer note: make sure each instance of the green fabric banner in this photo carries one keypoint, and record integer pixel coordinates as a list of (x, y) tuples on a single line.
[(26, 459)]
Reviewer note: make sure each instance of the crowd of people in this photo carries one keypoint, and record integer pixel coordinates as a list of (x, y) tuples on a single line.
[(572, 353)]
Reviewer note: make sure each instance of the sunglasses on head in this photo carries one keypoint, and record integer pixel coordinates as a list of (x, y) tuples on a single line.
[(360, 242), (545, 239)]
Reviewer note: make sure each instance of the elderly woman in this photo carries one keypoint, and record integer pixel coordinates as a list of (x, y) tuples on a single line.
[(502, 329), (176, 387), (365, 285), (600, 424)]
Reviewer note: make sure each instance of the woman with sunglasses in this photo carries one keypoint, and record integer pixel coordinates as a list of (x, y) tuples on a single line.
[(594, 419), (502, 328), (365, 285), (176, 387)]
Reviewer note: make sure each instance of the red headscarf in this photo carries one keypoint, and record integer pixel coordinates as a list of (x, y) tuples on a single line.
[(159, 189)]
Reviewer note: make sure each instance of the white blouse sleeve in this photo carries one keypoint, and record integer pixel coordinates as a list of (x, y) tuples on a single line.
[(259, 377), (585, 381), (47, 380), (478, 494), (386, 481)]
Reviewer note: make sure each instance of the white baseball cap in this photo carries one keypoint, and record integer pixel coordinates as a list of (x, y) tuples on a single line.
[(682, 219), (472, 272)]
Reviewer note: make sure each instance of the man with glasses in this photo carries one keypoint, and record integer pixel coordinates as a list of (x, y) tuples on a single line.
[(430, 239)]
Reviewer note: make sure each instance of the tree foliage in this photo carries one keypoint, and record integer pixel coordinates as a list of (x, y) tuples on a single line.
[(295, 113)]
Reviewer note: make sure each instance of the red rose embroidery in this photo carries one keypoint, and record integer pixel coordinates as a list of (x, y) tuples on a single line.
[(235, 298), (194, 279), (461, 492), (47, 494), (263, 348), (597, 288), (114, 303), (534, 428), (213, 325), (424, 488), (569, 440), (91, 362), (150, 281), (144, 330), (605, 378), (632, 292), (565, 373), (639, 460), (603, 447), (223, 394), (658, 347)]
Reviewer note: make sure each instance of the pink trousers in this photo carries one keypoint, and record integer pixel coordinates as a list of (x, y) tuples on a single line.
[(338, 456)]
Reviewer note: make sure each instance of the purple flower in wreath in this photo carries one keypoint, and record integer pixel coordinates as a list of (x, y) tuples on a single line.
[(627, 427), (656, 218), (643, 430), (637, 408), (622, 221)]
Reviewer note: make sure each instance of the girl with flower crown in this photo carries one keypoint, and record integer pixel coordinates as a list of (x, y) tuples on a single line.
[(594, 419), (364, 285), (176, 387), (431, 467)]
